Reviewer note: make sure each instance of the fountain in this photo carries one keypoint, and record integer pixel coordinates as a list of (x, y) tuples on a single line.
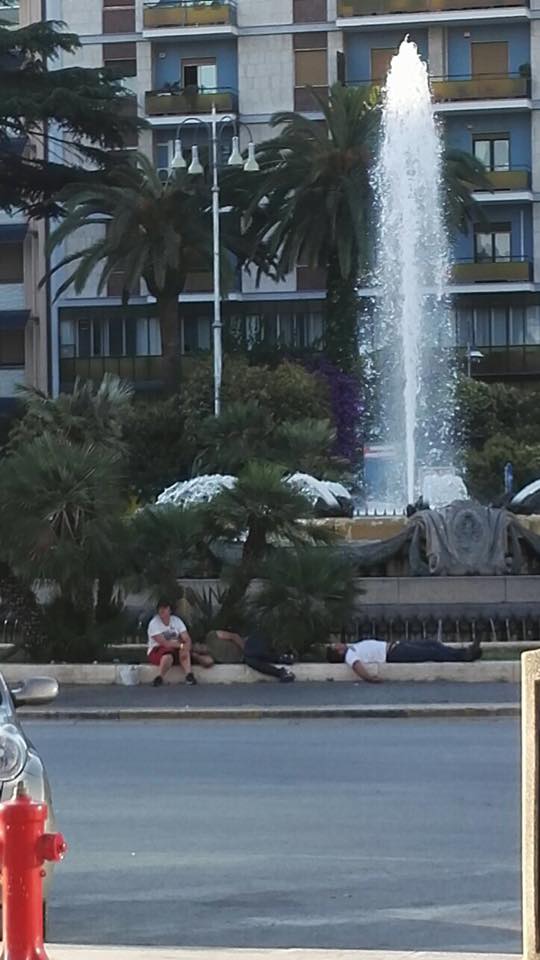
[(412, 314)]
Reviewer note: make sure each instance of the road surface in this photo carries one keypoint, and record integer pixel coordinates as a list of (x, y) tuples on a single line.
[(338, 834)]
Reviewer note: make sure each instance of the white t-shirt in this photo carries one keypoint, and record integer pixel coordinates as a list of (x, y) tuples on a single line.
[(156, 628), (366, 651)]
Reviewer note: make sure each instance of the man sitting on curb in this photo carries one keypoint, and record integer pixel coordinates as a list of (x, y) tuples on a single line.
[(169, 644), (361, 655)]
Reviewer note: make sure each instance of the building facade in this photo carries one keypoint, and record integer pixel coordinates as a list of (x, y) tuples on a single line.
[(254, 57)]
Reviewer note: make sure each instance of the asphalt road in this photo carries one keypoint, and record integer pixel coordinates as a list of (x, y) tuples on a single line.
[(374, 834), (277, 694)]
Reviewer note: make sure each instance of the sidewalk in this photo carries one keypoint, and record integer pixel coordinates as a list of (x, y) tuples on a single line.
[(239, 701), (164, 953)]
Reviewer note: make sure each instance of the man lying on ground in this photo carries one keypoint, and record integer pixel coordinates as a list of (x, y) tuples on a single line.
[(257, 652), (362, 655)]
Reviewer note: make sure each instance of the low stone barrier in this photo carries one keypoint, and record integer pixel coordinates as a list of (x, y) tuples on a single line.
[(495, 671)]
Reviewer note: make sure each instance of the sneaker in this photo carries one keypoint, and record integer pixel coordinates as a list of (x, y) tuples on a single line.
[(286, 676), (157, 681), (191, 680)]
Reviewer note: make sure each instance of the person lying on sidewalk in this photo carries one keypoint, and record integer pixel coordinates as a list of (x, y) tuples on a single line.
[(362, 655), (169, 644), (257, 652)]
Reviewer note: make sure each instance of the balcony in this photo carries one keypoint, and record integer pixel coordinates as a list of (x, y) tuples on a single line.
[(514, 270), (486, 87), (515, 179), (348, 9), (188, 102), (146, 373), (510, 361), (168, 14)]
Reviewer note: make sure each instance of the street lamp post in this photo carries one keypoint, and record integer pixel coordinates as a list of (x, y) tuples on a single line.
[(214, 131)]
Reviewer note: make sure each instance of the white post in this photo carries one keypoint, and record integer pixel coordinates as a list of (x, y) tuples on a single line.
[(217, 325), (530, 838)]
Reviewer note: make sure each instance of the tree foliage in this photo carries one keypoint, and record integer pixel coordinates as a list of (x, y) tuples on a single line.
[(306, 594), (498, 424), (60, 510), (89, 414), (152, 230), (84, 111)]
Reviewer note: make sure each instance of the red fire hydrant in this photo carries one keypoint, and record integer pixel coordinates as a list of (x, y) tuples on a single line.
[(24, 848)]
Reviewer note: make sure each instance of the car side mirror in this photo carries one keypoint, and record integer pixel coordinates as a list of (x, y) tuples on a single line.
[(34, 691)]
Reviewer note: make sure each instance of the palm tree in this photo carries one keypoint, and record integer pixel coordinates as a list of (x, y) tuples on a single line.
[(263, 507), (165, 542), (306, 594), (154, 230), (87, 415), (61, 516), (313, 202)]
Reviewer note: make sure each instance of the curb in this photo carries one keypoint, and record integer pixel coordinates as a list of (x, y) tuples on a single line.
[(367, 712), (104, 674)]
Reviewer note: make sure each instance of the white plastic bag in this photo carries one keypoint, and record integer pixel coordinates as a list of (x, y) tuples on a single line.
[(128, 674)]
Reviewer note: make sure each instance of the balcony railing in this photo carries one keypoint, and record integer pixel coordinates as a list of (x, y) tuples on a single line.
[(518, 178), (499, 86), (348, 9), (507, 361), (164, 103), (189, 13), (144, 372), (512, 270)]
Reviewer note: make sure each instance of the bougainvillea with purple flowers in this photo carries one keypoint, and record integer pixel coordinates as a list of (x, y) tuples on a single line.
[(347, 408)]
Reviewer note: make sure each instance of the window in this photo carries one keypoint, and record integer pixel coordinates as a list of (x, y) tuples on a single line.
[(380, 63), (68, 339), (492, 244), (493, 152), (11, 263), (310, 69), (148, 337), (201, 74), (500, 326), (12, 348), (489, 59), (93, 338), (481, 327), (532, 326), (464, 334), (118, 16), (516, 333), (121, 58), (309, 11), (499, 323)]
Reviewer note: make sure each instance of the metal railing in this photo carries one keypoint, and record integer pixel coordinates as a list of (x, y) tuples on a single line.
[(189, 13), (521, 624), (187, 101), (141, 371)]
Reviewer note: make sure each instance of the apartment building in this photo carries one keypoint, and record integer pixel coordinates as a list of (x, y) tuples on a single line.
[(23, 307), (254, 57)]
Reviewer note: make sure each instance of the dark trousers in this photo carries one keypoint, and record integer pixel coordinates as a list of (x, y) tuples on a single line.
[(263, 666), (259, 655), (412, 651)]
